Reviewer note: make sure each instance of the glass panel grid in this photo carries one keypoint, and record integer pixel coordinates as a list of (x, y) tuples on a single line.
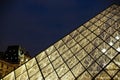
[(20, 70), (58, 60), (10, 76), (47, 70), (23, 76), (59, 44), (41, 56), (36, 76), (72, 62), (30, 63), (62, 70), (44, 62), (33, 70), (74, 33), (54, 56)]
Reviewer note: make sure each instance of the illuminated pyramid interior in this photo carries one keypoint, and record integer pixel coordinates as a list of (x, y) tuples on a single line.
[(92, 51)]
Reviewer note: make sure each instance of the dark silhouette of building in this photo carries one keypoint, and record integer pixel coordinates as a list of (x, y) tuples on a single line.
[(13, 57)]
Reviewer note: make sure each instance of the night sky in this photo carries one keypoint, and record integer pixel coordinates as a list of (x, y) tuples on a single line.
[(37, 24)]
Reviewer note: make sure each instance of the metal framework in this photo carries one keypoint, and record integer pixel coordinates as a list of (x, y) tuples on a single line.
[(91, 52)]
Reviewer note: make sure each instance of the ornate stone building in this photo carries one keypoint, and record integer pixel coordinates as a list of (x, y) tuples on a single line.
[(12, 58), (90, 52)]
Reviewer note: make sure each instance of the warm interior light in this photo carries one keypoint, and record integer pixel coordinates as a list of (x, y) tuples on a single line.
[(117, 62), (104, 64), (22, 60), (118, 49), (49, 56), (39, 78), (110, 43), (117, 37), (103, 50), (26, 59)]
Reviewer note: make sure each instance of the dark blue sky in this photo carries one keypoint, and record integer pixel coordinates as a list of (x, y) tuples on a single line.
[(36, 24)]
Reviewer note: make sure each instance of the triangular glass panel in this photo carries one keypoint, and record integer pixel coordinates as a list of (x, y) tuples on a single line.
[(117, 76), (102, 76), (85, 76)]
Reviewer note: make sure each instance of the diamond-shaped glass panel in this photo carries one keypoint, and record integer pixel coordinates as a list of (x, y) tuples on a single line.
[(68, 76), (75, 48), (87, 24), (54, 55), (104, 19), (109, 15), (57, 62), (103, 47), (52, 76), (44, 62), (104, 35), (94, 69), (95, 54), (117, 46), (63, 49), (103, 76), (93, 20), (20, 70), (81, 54), (36, 76), (117, 60), (67, 55), (99, 23), (110, 30), (71, 43), (83, 42), (81, 29), (99, 16), (103, 61), (97, 41), (104, 12), (90, 47), (92, 27), (50, 50), (41, 56), (23, 76), (111, 53), (78, 38), (67, 38), (62, 70), (117, 76), (47, 70), (59, 44), (31, 63), (98, 31), (91, 36), (85, 76), (86, 32), (33, 70), (116, 25), (74, 33), (87, 61), (77, 70), (116, 35), (10, 76), (111, 41), (72, 61), (112, 69)]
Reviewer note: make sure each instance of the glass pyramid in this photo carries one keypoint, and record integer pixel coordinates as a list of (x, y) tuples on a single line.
[(91, 52)]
